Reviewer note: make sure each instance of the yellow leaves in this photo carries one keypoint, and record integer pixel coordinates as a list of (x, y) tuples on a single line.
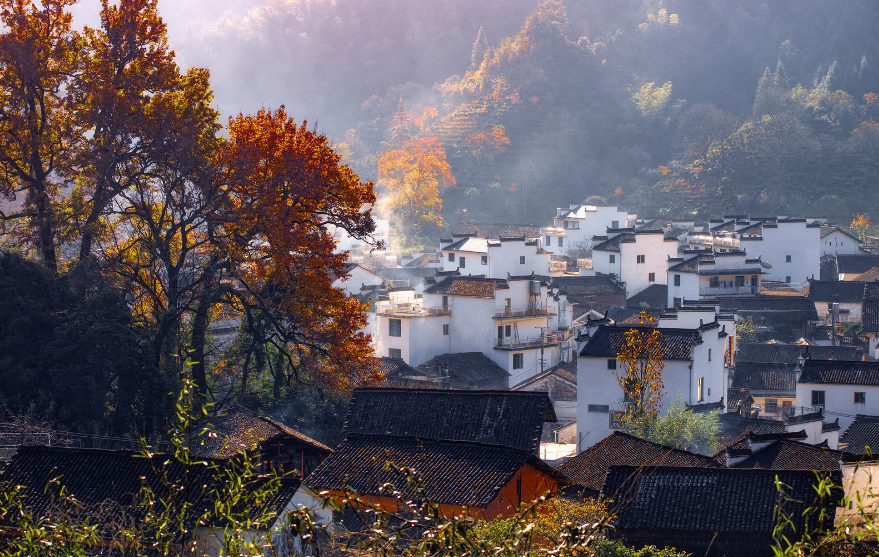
[(861, 224), (652, 100), (665, 170), (640, 367)]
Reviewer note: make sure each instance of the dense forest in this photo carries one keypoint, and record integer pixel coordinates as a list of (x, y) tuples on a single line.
[(669, 108)]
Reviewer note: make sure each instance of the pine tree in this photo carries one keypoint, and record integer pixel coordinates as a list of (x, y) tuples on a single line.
[(480, 47)]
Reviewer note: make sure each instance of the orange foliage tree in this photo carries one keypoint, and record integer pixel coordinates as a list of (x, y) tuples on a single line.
[(861, 224), (485, 146), (414, 177), (640, 370)]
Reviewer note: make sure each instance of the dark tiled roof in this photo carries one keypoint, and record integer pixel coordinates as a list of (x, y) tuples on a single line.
[(689, 266), (792, 455), (870, 316), (498, 230), (734, 427), (855, 264), (590, 467), (108, 481), (736, 398), (765, 377), (655, 296), (805, 418), (870, 276), (467, 368), (567, 371), (395, 368), (511, 419), (575, 286), (710, 500), (842, 291), (827, 230), (768, 353), (467, 286), (613, 244), (454, 472), (850, 353), (860, 434), (606, 342), (798, 307), (840, 372), (242, 430), (830, 426)]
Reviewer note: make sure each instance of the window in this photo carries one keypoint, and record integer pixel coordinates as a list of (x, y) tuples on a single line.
[(700, 389), (462, 262), (548, 241), (616, 419), (677, 280), (612, 363), (787, 258), (754, 280), (817, 398), (451, 256), (445, 303), (771, 405), (631, 390), (676, 302), (601, 408), (714, 282), (500, 333), (740, 281), (651, 277), (521, 260), (709, 354), (485, 260), (508, 330), (641, 259), (396, 328), (612, 258), (614, 224), (860, 398), (518, 361), (395, 353), (445, 329), (787, 279), (561, 241)]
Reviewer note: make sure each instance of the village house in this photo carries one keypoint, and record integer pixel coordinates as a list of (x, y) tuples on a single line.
[(848, 295), (560, 382), (788, 317), (782, 451), (810, 428), (575, 226), (709, 275), (836, 241), (850, 267), (696, 351), (839, 388), (860, 443), (639, 258), (714, 511), (468, 370), (475, 451), (470, 255)]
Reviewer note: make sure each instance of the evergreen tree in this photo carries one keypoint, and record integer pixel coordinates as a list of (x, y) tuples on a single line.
[(480, 47)]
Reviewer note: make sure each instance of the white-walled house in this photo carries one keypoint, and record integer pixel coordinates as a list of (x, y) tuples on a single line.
[(695, 367), (638, 257), (848, 294), (358, 277), (470, 255), (507, 320), (840, 388), (708, 275), (835, 240), (575, 226)]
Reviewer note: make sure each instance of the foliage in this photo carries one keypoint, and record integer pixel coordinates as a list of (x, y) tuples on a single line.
[(639, 370), (861, 224), (746, 330), (680, 428)]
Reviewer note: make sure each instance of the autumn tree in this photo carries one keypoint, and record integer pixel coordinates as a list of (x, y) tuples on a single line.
[(640, 368), (414, 177), (861, 224), (485, 146)]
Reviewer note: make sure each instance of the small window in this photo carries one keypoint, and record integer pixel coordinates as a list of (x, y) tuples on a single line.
[(642, 259), (521, 260), (445, 329), (787, 258), (817, 398), (612, 258), (709, 354), (787, 279), (395, 327), (700, 388), (677, 280), (485, 260), (740, 281), (612, 363), (508, 330), (561, 241), (771, 405), (714, 282), (651, 277), (614, 224), (548, 241), (395, 353), (462, 262), (676, 302), (518, 361), (601, 408), (860, 398), (451, 256), (630, 391)]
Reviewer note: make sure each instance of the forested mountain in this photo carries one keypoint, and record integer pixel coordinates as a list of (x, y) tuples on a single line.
[(665, 107)]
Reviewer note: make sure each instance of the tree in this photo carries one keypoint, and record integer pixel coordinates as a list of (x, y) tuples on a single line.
[(485, 146), (414, 176), (861, 224), (480, 48), (640, 371), (746, 330), (680, 428)]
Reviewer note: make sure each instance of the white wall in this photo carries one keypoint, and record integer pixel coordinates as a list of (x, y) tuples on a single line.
[(848, 313), (358, 277), (505, 259), (801, 243), (839, 401), (590, 220), (688, 290), (837, 243), (656, 252)]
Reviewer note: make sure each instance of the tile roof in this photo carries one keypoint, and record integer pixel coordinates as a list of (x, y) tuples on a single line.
[(242, 430), (567, 371), (689, 266), (842, 291), (453, 472), (613, 244), (870, 316), (606, 342), (395, 368), (850, 353), (466, 368), (710, 500), (102, 480), (590, 467), (768, 353), (734, 427), (738, 398), (760, 377), (494, 231), (586, 285), (655, 296), (860, 434), (840, 372), (805, 418), (511, 419), (467, 286), (793, 455), (869, 276), (796, 307), (827, 230), (469, 245), (855, 264)]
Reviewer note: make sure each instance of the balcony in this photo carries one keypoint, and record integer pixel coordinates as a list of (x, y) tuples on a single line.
[(551, 230), (410, 310), (523, 313), (550, 339), (586, 263), (558, 266), (708, 292)]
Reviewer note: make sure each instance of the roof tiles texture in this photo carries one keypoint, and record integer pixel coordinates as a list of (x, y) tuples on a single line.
[(841, 291), (840, 372), (860, 434), (242, 430), (870, 316), (855, 264), (765, 377), (734, 427), (606, 342), (467, 286), (467, 368), (586, 285), (793, 455)]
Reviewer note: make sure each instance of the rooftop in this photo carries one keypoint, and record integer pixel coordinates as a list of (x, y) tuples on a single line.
[(840, 372), (860, 434), (855, 264), (608, 340), (793, 455), (762, 377), (467, 286), (841, 291), (467, 368)]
